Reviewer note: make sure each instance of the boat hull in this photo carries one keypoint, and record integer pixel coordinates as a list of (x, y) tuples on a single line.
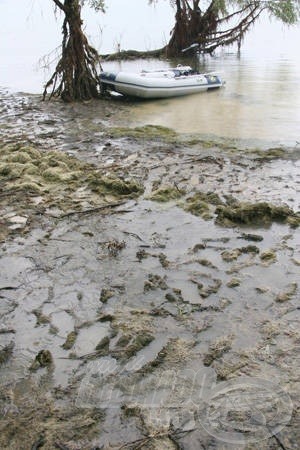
[(160, 84)]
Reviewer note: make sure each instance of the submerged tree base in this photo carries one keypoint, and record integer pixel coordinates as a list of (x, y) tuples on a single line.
[(75, 76)]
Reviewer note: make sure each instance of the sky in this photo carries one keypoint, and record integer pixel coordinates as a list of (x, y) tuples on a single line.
[(32, 30)]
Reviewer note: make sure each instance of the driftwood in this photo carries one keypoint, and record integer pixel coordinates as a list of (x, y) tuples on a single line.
[(134, 54), (204, 159), (93, 210)]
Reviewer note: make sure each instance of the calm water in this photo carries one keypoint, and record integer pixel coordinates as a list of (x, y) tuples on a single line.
[(261, 100)]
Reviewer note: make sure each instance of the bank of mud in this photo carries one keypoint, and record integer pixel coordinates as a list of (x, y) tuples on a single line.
[(144, 276)]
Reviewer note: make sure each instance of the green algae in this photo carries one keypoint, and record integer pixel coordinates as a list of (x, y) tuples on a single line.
[(206, 263), (106, 294), (288, 294), (56, 178), (234, 282), (142, 340), (217, 349), (231, 255), (6, 352), (144, 132), (176, 349), (28, 186), (198, 207), (254, 214), (141, 254), (10, 170), (41, 319), (165, 263), (207, 197), (252, 249), (251, 237), (294, 220), (201, 204), (70, 340), (53, 175), (129, 344), (226, 370), (166, 193), (26, 164), (21, 157), (114, 185), (155, 282), (17, 152), (103, 345), (268, 255), (205, 292), (43, 359), (270, 154)]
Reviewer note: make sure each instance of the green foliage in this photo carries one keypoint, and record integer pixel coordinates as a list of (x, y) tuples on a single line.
[(219, 23), (98, 5), (220, 6), (288, 11)]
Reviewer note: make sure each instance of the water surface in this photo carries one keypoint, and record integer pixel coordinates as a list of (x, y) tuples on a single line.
[(260, 101)]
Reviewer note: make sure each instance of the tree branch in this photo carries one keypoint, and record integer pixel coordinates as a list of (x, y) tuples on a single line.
[(60, 5), (229, 36), (250, 6)]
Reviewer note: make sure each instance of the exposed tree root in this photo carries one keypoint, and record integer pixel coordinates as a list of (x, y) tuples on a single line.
[(75, 76)]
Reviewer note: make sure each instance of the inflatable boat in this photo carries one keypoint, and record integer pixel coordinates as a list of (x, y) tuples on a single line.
[(160, 83)]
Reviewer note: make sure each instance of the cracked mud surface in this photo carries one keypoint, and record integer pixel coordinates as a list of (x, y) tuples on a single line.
[(122, 307)]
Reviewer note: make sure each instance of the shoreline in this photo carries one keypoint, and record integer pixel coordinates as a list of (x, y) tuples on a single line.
[(128, 253)]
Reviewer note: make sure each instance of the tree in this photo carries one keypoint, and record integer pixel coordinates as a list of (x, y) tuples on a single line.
[(75, 75), (216, 23)]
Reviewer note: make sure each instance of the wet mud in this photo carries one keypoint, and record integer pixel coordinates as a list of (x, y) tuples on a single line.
[(149, 285)]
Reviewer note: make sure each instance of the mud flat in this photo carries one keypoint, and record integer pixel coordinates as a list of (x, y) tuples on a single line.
[(149, 285)]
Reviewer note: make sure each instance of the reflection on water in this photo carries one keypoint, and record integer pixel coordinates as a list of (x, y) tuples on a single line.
[(261, 101)]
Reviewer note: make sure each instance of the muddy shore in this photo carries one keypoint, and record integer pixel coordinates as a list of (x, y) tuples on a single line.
[(149, 284)]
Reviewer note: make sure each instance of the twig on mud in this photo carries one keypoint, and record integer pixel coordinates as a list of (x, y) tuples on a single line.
[(134, 235), (39, 443), (9, 288), (93, 210), (17, 190), (135, 445), (87, 356), (210, 159), (7, 330), (122, 211), (61, 446), (176, 187), (279, 442), (139, 443)]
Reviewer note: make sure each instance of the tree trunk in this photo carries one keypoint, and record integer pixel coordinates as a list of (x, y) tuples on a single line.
[(75, 76), (191, 26)]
